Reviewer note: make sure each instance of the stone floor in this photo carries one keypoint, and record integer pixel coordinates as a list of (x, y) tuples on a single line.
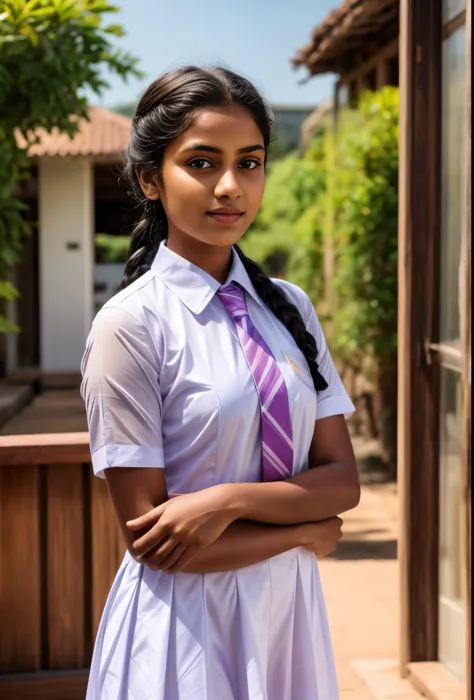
[(360, 581)]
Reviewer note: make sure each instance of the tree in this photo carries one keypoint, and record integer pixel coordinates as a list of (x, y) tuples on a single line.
[(51, 53)]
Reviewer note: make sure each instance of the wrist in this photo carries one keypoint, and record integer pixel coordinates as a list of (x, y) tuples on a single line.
[(230, 500), (304, 534)]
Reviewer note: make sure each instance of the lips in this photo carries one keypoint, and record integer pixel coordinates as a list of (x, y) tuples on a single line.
[(226, 215)]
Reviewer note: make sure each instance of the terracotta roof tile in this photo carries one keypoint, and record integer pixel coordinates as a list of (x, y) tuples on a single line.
[(105, 134)]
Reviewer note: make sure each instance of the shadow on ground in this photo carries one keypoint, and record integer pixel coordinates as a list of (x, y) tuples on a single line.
[(370, 549)]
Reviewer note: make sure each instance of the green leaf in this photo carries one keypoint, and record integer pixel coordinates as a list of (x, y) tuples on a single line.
[(7, 326), (7, 291), (115, 29), (102, 7)]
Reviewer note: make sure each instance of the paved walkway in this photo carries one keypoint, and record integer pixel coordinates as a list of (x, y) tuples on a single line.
[(361, 587)]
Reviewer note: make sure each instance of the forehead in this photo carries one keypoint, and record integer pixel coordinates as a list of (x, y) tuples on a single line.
[(228, 127)]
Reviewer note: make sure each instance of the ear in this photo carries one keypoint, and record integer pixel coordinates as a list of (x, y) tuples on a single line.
[(148, 180)]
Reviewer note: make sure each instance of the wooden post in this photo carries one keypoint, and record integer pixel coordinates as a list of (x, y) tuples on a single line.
[(382, 72), (418, 396), (361, 82)]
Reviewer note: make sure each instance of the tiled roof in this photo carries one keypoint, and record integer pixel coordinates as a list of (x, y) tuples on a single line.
[(345, 34), (105, 134)]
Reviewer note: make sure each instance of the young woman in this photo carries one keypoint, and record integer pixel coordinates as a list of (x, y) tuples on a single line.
[(217, 417)]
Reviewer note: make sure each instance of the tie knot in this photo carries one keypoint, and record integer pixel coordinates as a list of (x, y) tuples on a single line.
[(233, 299)]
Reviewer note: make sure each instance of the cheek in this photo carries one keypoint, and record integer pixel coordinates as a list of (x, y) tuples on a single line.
[(184, 195), (254, 191)]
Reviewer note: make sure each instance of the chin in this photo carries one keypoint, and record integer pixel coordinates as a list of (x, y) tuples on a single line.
[(227, 236)]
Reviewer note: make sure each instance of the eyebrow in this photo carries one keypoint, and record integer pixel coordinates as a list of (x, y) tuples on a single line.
[(213, 149)]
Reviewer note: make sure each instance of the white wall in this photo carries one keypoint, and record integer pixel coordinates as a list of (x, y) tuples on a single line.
[(107, 279), (66, 216)]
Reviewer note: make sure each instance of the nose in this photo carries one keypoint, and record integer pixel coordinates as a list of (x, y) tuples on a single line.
[(228, 186)]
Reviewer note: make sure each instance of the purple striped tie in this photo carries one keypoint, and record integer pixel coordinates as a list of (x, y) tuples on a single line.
[(277, 434)]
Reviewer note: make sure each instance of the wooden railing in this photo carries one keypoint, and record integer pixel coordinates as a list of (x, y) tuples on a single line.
[(60, 548)]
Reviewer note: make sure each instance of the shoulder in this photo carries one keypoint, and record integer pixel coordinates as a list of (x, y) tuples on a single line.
[(133, 299), (298, 297), (132, 315), (143, 302)]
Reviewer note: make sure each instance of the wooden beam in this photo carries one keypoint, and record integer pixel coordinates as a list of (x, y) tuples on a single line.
[(44, 686), (418, 396), (390, 50), (383, 73), (45, 448)]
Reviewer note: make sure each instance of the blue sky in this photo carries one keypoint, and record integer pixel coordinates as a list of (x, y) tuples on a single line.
[(254, 37)]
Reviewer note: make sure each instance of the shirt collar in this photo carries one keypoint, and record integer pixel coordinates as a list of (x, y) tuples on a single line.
[(192, 285)]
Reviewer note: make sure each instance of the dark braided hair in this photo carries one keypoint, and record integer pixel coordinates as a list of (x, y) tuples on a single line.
[(164, 112)]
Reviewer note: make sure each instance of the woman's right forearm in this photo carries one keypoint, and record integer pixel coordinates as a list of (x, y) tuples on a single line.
[(245, 543)]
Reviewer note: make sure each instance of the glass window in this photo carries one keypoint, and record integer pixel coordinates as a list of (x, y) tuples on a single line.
[(452, 574), (452, 8), (453, 180)]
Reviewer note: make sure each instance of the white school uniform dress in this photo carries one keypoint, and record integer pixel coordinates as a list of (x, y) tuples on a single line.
[(166, 384)]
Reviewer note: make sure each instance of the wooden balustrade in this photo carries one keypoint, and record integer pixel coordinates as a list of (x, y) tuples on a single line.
[(60, 548)]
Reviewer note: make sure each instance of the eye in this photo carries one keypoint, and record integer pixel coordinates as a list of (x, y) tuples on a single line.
[(249, 164), (199, 164)]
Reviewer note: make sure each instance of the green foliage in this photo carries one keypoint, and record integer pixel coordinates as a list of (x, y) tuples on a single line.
[(111, 249), (286, 237), (362, 198), (51, 52)]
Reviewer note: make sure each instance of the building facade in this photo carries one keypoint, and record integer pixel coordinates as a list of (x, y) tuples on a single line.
[(74, 191)]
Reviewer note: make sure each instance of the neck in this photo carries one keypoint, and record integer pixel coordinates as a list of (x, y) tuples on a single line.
[(215, 260)]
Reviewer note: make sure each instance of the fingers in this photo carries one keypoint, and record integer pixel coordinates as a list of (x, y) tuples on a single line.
[(146, 520), (150, 540), (166, 547), (172, 557), (183, 560), (156, 562), (176, 560)]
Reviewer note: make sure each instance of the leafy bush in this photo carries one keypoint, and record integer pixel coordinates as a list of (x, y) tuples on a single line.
[(286, 237), (362, 201), (362, 197), (111, 249)]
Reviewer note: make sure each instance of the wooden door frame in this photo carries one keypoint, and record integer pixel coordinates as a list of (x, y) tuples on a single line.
[(419, 306), (418, 391)]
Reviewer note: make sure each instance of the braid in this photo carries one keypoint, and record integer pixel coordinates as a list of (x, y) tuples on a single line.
[(287, 313), (145, 240)]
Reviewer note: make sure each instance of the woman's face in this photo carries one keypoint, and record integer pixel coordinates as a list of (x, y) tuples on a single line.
[(213, 177)]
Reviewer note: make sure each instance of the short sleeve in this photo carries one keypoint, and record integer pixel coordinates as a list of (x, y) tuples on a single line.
[(334, 400), (120, 388)]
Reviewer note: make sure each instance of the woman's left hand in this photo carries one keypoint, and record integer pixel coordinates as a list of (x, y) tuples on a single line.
[(177, 529)]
